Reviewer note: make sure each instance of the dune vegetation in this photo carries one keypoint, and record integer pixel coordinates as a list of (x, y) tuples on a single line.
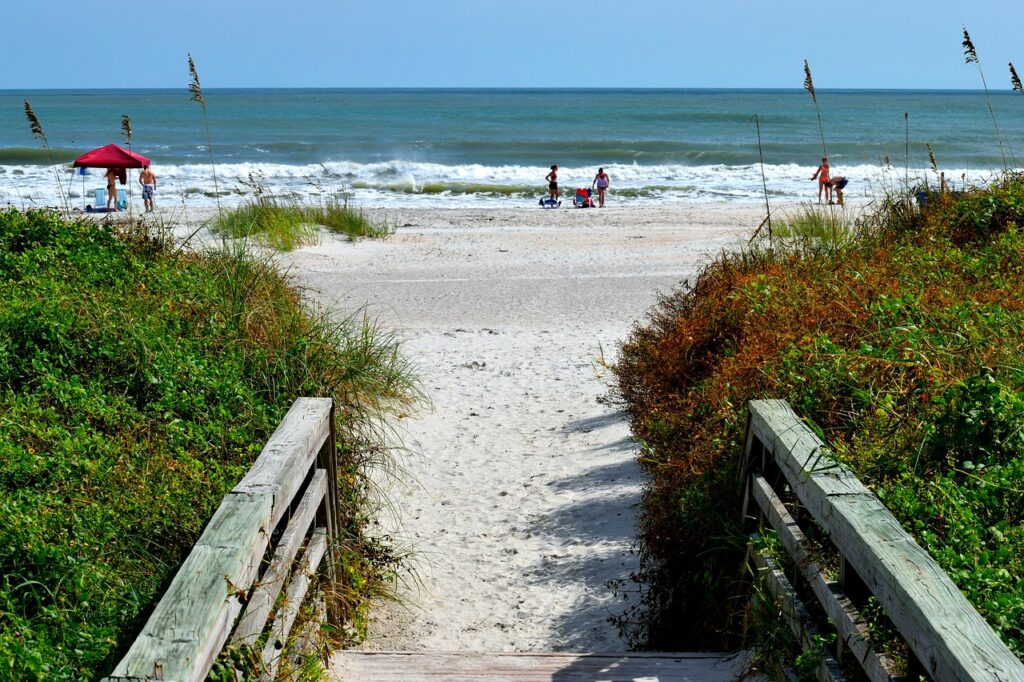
[(137, 384), (901, 344), (287, 225)]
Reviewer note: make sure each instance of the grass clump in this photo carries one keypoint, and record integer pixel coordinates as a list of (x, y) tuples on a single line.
[(137, 385), (813, 224), (904, 347), (287, 225)]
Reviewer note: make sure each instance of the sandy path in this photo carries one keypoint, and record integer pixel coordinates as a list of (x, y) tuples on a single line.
[(520, 495)]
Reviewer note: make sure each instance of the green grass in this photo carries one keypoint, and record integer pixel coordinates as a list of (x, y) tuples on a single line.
[(903, 345), (137, 385), (287, 225), (830, 225)]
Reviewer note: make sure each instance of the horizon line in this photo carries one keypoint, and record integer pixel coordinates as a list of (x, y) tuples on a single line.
[(408, 88)]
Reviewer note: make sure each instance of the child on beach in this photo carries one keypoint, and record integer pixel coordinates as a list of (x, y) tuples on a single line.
[(552, 179), (822, 175)]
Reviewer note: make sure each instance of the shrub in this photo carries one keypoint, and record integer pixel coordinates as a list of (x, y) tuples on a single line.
[(902, 347), (136, 387)]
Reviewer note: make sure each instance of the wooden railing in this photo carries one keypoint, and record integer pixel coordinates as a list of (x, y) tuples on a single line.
[(788, 472), (230, 582)]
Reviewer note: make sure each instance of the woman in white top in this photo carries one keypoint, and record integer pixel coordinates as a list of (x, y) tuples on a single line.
[(601, 181)]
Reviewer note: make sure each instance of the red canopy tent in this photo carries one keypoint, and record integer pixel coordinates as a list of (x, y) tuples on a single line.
[(111, 156)]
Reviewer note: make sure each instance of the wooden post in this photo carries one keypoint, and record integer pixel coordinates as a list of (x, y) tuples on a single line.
[(327, 459)]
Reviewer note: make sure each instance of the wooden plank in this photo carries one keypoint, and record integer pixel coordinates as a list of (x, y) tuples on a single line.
[(364, 666), (296, 592), (192, 621), (289, 454), (796, 617), (261, 601), (949, 637), (852, 629)]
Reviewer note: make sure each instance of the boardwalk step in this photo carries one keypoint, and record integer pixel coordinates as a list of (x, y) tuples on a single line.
[(423, 666)]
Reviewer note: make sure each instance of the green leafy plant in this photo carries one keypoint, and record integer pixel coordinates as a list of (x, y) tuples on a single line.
[(137, 385)]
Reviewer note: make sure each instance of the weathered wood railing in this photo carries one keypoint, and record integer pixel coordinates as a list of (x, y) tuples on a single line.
[(789, 474), (287, 499)]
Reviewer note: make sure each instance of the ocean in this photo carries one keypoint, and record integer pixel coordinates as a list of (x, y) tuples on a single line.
[(490, 147)]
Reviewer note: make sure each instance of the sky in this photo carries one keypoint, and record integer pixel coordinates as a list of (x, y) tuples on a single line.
[(521, 43)]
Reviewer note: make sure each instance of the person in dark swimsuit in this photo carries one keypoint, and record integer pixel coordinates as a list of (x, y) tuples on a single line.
[(552, 179), (111, 188)]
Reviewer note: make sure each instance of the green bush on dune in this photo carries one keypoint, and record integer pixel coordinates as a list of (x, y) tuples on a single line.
[(136, 387), (903, 345)]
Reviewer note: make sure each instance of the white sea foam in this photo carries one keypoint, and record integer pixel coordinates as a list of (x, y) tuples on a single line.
[(407, 183)]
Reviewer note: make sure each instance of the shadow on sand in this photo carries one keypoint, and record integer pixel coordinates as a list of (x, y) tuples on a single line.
[(603, 519)]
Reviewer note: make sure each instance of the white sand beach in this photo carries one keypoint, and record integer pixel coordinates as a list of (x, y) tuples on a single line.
[(520, 490)]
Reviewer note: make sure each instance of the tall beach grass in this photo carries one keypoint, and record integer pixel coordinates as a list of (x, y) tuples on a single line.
[(288, 224)]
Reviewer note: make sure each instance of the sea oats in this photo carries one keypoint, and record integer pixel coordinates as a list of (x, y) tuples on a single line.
[(37, 131), (194, 87), (197, 96), (33, 122), (971, 57), (970, 54), (809, 85), (126, 129), (809, 82)]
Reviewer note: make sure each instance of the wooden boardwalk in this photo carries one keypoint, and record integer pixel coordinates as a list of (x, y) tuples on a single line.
[(427, 666)]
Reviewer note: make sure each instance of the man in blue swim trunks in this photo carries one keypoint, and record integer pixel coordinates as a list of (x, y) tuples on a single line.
[(147, 178)]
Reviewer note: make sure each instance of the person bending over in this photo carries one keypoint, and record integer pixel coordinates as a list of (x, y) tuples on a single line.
[(837, 184)]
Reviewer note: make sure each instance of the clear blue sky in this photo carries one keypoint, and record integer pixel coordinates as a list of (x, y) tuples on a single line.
[(508, 43)]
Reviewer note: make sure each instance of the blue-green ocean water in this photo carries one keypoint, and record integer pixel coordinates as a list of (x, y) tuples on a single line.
[(475, 147)]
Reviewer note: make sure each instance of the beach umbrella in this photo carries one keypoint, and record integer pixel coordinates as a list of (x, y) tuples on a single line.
[(112, 156)]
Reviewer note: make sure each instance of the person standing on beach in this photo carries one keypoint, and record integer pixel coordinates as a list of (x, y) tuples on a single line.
[(147, 178), (111, 188), (552, 179), (601, 181), (822, 175)]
